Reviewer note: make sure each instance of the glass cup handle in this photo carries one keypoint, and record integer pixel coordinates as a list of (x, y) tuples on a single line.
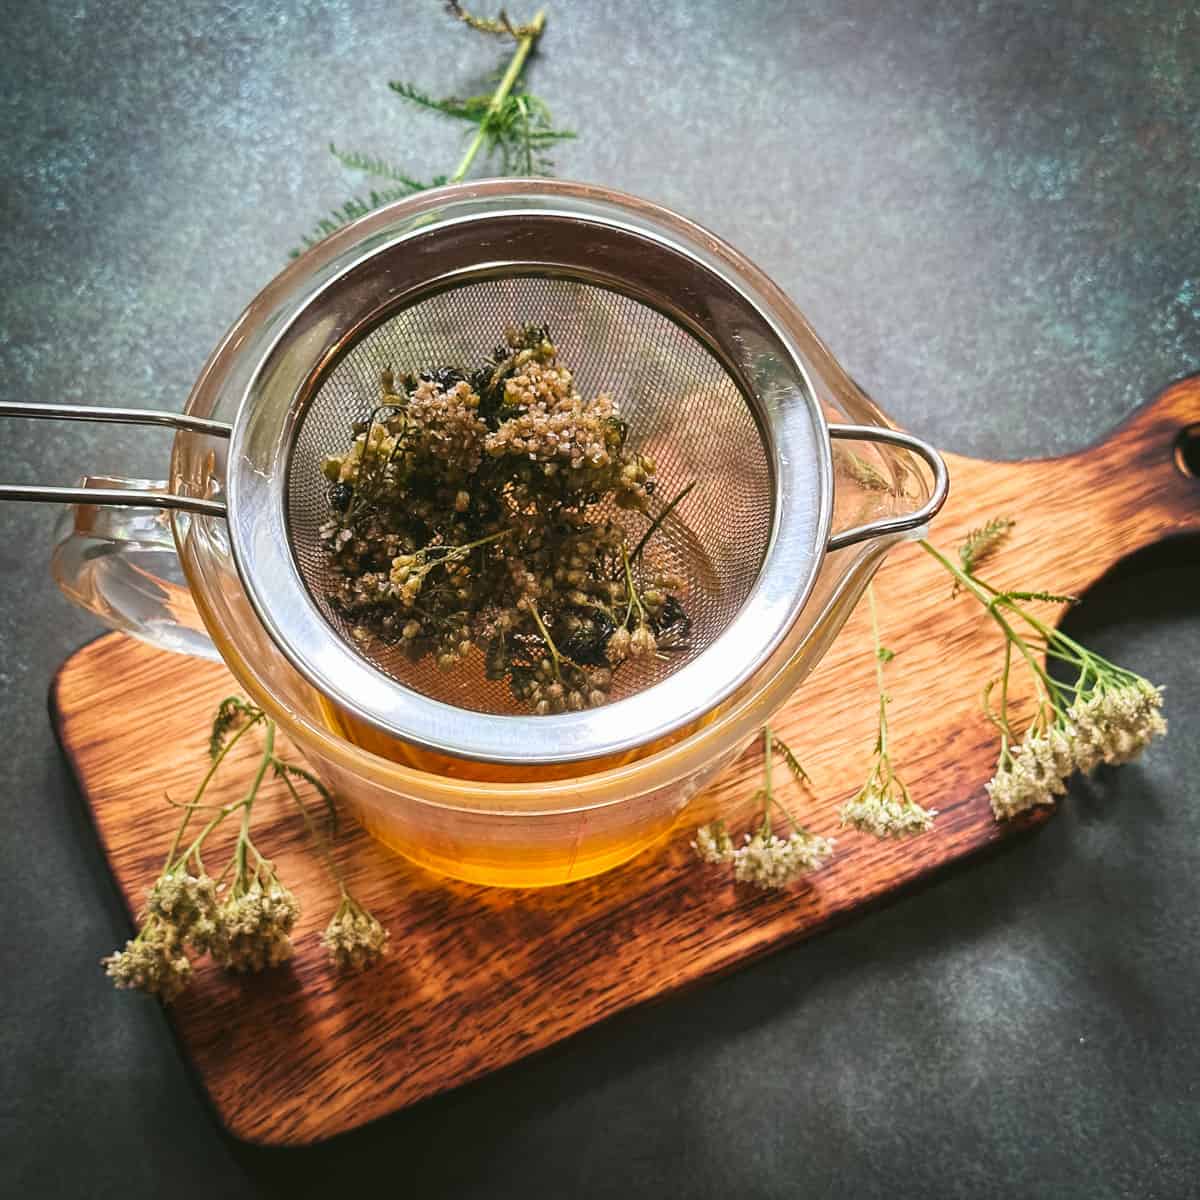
[(908, 521), (121, 564)]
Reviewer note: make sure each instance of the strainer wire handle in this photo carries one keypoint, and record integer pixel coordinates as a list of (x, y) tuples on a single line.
[(116, 496), (908, 521)]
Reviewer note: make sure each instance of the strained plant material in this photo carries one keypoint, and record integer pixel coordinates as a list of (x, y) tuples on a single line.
[(480, 512)]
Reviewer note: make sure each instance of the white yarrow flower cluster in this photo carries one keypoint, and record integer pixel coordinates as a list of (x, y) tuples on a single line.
[(1113, 725), (712, 843), (1116, 724), (763, 858), (878, 811), (769, 862), (1037, 772)]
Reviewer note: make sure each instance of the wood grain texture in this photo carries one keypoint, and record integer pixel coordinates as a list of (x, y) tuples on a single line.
[(482, 977)]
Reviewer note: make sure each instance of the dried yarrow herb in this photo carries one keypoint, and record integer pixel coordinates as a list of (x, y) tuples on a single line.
[(477, 510)]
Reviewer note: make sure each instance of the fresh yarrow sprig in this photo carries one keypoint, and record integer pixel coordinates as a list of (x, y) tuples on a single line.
[(512, 127), (1107, 714), (243, 923), (764, 859), (883, 805)]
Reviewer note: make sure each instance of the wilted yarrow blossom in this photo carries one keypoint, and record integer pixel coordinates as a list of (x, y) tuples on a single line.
[(1115, 723), (768, 861), (877, 810), (189, 904), (712, 843), (354, 938), (153, 962), (255, 925)]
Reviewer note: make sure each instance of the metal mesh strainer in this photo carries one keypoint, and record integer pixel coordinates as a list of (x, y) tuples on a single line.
[(642, 305), (683, 409)]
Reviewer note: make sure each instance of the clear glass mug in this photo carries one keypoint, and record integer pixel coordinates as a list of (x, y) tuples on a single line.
[(169, 578)]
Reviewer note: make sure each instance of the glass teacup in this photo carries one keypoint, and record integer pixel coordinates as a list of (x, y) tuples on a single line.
[(171, 579)]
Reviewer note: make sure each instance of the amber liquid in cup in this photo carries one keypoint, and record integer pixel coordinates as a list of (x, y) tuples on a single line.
[(531, 858)]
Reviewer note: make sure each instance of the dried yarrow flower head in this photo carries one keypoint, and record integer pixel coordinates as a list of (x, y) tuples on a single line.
[(764, 859), (256, 923), (189, 904), (1105, 714), (479, 509), (354, 938), (251, 926), (153, 962)]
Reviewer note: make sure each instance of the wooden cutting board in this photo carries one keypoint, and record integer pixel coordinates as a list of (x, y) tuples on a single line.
[(482, 977)]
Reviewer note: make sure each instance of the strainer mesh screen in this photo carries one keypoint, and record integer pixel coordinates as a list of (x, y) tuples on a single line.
[(682, 407)]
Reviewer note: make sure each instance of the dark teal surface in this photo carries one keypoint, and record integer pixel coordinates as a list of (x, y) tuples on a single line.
[(991, 211)]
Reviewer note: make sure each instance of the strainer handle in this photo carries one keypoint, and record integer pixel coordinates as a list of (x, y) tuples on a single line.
[(114, 551), (907, 521), (130, 497)]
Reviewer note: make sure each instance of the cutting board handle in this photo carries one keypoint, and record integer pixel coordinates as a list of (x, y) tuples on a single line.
[(1080, 514), (1147, 471), (1161, 441)]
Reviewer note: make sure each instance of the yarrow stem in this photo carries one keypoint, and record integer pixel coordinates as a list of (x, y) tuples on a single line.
[(631, 587), (217, 758), (879, 661), (680, 497), (354, 938), (528, 35), (244, 844), (883, 805)]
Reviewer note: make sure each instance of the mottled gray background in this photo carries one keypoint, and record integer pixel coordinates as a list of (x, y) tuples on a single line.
[(992, 213)]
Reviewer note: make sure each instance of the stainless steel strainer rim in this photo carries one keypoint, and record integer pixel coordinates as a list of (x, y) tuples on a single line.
[(797, 442)]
